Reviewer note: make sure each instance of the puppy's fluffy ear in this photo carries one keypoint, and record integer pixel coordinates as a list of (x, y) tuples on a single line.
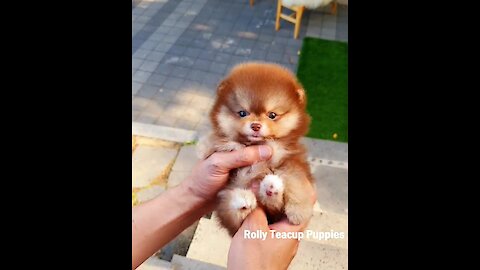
[(222, 86), (301, 95)]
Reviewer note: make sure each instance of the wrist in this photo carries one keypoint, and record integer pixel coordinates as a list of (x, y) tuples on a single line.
[(196, 199), (190, 189)]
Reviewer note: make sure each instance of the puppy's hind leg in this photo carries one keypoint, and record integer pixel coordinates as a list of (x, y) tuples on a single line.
[(234, 206), (298, 204)]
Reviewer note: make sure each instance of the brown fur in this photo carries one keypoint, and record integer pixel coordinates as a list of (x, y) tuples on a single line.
[(260, 88)]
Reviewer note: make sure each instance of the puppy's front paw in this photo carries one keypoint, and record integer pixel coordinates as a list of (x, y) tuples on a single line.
[(271, 186), (243, 201), (298, 213)]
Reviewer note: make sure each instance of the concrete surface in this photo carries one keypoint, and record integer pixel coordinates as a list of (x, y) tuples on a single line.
[(149, 163), (326, 149), (163, 132), (332, 189)]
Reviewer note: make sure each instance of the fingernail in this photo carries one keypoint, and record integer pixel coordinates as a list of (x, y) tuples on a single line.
[(265, 152)]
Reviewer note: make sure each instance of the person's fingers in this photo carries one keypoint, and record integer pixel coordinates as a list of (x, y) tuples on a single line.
[(240, 158), (255, 186)]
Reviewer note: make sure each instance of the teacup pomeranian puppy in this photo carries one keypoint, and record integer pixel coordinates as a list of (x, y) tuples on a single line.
[(261, 103)]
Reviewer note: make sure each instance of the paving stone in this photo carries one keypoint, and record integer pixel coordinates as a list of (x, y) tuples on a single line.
[(187, 158), (148, 163)]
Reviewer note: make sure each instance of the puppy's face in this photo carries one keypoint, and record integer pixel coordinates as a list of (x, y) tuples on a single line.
[(260, 101)]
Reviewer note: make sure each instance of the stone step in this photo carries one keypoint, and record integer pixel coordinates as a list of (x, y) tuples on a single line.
[(163, 132), (179, 245), (332, 188), (330, 222), (154, 263), (332, 208), (186, 160), (211, 243), (150, 164), (326, 149), (183, 263), (313, 255)]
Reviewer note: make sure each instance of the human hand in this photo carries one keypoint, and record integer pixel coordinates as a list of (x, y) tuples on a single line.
[(210, 176), (271, 253)]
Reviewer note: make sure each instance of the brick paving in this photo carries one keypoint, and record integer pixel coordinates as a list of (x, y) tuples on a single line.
[(181, 50)]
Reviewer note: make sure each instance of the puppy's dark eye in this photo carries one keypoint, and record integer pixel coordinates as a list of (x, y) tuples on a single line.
[(272, 115), (242, 113)]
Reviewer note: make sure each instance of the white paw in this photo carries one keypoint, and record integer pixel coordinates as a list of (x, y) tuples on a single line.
[(243, 200), (271, 186)]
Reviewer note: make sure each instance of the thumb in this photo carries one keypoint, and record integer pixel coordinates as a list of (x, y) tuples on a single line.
[(285, 226), (243, 157)]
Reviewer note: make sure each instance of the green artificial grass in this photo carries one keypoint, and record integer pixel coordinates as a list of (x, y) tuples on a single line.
[(323, 71)]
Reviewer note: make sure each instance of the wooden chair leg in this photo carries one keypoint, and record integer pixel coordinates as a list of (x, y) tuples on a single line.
[(251, 3), (298, 20), (333, 8), (279, 11)]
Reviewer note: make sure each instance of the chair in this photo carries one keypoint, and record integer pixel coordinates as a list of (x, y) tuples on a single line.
[(298, 7), (295, 17)]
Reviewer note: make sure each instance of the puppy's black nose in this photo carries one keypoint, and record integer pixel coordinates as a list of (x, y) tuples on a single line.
[(256, 126)]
